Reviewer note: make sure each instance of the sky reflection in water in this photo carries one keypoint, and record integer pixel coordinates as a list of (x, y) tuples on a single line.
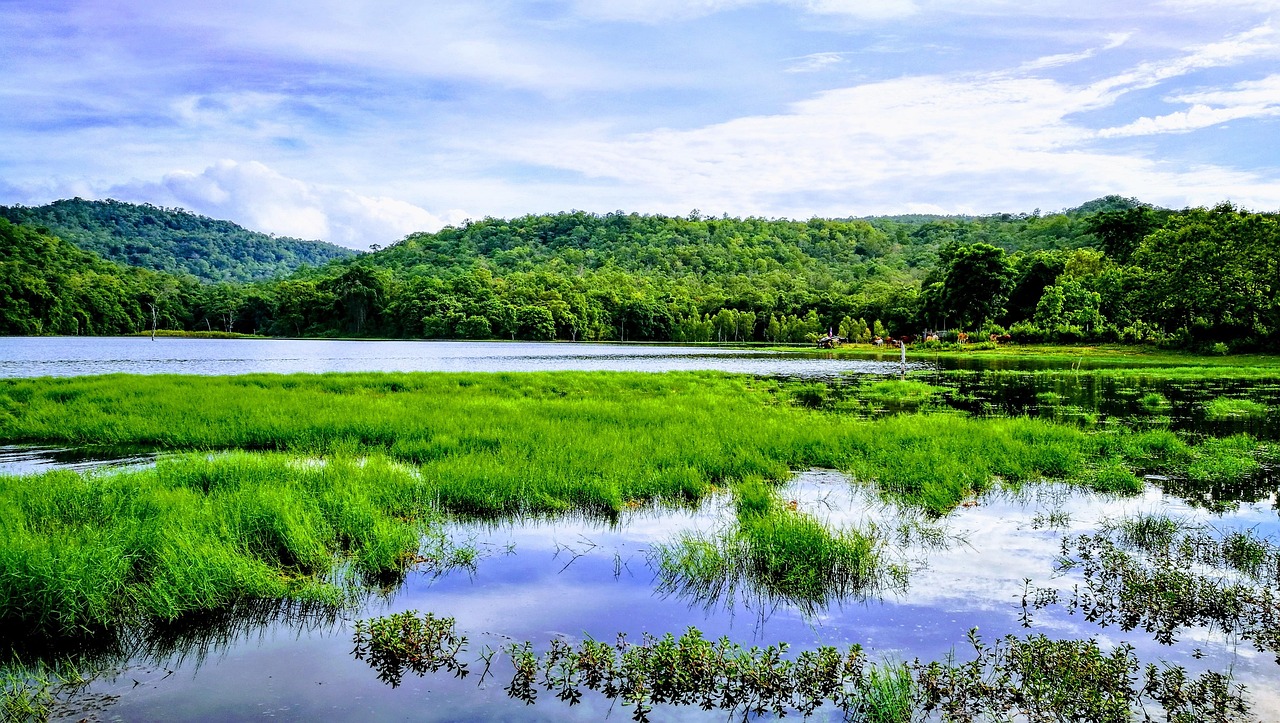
[(576, 577)]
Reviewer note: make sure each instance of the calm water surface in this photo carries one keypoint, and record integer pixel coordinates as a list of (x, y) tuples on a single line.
[(574, 578), (74, 356)]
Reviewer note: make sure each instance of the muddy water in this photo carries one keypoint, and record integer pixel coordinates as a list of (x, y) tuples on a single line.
[(574, 578)]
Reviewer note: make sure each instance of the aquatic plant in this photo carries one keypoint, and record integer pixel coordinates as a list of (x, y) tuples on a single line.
[(403, 642), (1221, 409), (202, 532), (1154, 403), (773, 553), (1034, 678), (1158, 574)]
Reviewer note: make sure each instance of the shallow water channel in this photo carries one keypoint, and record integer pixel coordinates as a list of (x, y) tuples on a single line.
[(572, 577)]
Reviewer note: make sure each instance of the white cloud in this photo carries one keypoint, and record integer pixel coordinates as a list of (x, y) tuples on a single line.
[(1250, 99), (1115, 40), (815, 62), (653, 11), (979, 141), (264, 200)]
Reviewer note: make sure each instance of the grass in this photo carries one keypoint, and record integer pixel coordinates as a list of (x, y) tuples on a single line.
[(198, 533), (346, 471), (1087, 355), (772, 552), (1227, 408)]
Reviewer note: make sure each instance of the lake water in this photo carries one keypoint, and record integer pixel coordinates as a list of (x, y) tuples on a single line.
[(572, 578), (74, 356)]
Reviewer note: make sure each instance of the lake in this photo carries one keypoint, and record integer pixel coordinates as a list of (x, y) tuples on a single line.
[(575, 576), (74, 356)]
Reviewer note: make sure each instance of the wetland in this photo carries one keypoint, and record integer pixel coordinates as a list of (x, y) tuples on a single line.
[(1040, 541)]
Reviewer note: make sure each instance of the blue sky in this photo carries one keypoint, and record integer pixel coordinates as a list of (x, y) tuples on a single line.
[(359, 122)]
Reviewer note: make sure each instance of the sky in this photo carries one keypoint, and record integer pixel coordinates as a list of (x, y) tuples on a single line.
[(359, 122)]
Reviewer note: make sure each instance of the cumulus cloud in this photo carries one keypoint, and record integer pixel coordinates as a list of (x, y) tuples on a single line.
[(263, 199), (1249, 99)]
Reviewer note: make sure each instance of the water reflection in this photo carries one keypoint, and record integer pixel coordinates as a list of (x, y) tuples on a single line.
[(75, 356), (22, 460), (579, 577)]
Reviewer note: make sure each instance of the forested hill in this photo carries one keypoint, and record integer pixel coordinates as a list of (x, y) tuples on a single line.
[(714, 249), (1113, 270), (174, 240)]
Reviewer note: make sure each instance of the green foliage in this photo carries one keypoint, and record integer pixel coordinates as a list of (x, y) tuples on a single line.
[(48, 286), (630, 277), (173, 240)]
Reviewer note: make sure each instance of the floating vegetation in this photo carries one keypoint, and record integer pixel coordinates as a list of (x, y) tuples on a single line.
[(407, 642), (1163, 576), (1222, 409), (1033, 678)]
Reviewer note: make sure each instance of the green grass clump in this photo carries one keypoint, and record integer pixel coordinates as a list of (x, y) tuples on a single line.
[(1150, 531), (1222, 409), (773, 552), (1227, 459), (1116, 478), (198, 533), (1154, 403)]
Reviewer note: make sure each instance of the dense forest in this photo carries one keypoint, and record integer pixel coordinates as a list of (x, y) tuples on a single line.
[(173, 240), (1111, 270)]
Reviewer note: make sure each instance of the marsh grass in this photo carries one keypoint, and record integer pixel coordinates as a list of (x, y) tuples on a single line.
[(200, 533), (345, 472), (1220, 409), (771, 553), (497, 444)]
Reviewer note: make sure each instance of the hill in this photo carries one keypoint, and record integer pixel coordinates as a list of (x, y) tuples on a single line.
[(173, 240)]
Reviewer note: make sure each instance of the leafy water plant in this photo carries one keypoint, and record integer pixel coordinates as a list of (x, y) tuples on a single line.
[(408, 642), (1159, 574), (1033, 678)]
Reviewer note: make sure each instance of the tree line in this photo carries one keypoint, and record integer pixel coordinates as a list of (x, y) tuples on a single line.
[(1112, 270)]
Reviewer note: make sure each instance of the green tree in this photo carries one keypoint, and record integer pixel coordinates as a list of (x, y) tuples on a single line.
[(977, 283)]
